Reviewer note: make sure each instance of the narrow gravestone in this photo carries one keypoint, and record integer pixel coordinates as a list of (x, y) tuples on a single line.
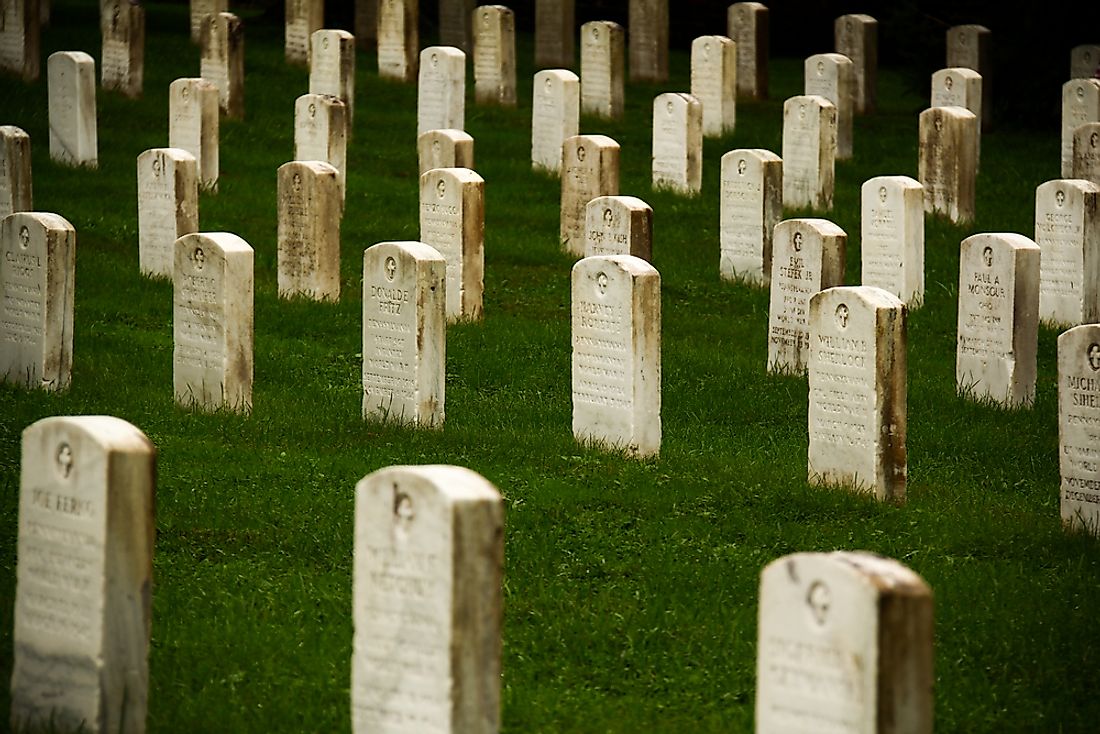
[(1067, 231), (750, 207), (971, 47), (73, 140), (168, 206), (332, 67), (857, 379), (83, 601), (222, 61), (555, 116), (15, 171), (454, 23), (807, 257), (648, 40), (998, 319), (303, 19), (1079, 426), (960, 87), (617, 353), (747, 25), (892, 237), (320, 133), (37, 277), (1086, 152), (603, 67), (677, 143), (832, 76), (619, 225), (1084, 62), (309, 231), (441, 92), (946, 165), (20, 38), (856, 37), (714, 83), (554, 29), (590, 168), (845, 645), (444, 149), (366, 24), (809, 152), (122, 25), (398, 39), (193, 125), (1080, 104), (452, 220), (212, 322), (404, 333), (199, 10), (495, 55), (427, 602)]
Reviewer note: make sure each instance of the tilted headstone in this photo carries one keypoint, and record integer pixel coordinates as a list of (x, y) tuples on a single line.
[(1079, 426), (398, 39), (946, 165), (83, 599), (404, 333), (222, 61), (1080, 104), (603, 68), (1086, 152), (444, 149), (747, 25), (555, 116), (73, 140), (212, 322), (590, 168), (809, 152), (832, 76), (366, 24), (960, 87), (677, 143), (37, 276), (303, 19), (845, 645), (807, 257), (15, 171), (320, 133), (971, 47), (199, 10), (616, 304), (168, 206), (332, 67), (452, 220), (193, 125), (750, 207), (495, 55), (856, 37), (310, 206), (1067, 231), (20, 38), (892, 237), (441, 91), (454, 23), (1084, 62), (427, 602), (619, 225), (714, 83), (998, 318), (122, 25), (648, 40), (554, 29)]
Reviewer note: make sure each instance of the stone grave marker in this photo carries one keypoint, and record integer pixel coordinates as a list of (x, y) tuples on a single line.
[(747, 25), (946, 164), (444, 149), (366, 24), (856, 37), (832, 76), (72, 109), (1079, 426), (455, 22), (556, 113), (750, 207), (619, 225), (892, 237), (441, 92), (603, 62), (960, 87), (1080, 104), (15, 171), (310, 208), (168, 206), (971, 47), (678, 143), (320, 133), (398, 39), (332, 67), (303, 19), (554, 29), (122, 26), (1086, 152), (20, 38), (1084, 62), (495, 55), (199, 10), (1067, 231), (452, 220), (648, 40), (590, 168), (193, 125), (714, 83), (809, 152), (223, 61)]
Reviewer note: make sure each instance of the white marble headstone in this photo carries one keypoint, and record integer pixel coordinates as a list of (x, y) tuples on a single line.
[(73, 140), (1079, 426), (1084, 62), (554, 29), (398, 39), (747, 25), (619, 225), (856, 36), (303, 19), (946, 165), (678, 143), (222, 61), (495, 55), (832, 76), (202, 8), (647, 39), (122, 26), (892, 237), (590, 168), (750, 207), (309, 230), (1080, 104), (809, 152), (15, 171), (441, 91), (444, 149), (555, 116), (1067, 231), (452, 220), (714, 83), (971, 47), (332, 67), (320, 133), (20, 38), (193, 125), (960, 87), (168, 206), (603, 68), (1086, 152)]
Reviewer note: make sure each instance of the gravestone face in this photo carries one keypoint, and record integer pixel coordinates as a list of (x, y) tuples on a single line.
[(303, 19), (444, 149), (747, 25), (212, 322), (452, 220), (168, 206), (845, 645), (678, 143), (971, 47), (441, 92), (554, 29), (366, 24), (603, 64), (809, 152), (1080, 104), (617, 353), (714, 83), (857, 376), (222, 61), (1084, 62), (960, 87), (122, 25), (309, 230), (1086, 152), (320, 133), (15, 171), (555, 116), (856, 37), (998, 318), (751, 205), (807, 257), (495, 55), (193, 125), (1067, 231), (72, 109), (454, 23), (1079, 426), (590, 168), (332, 67), (20, 46), (892, 237), (398, 39), (832, 76), (618, 225), (37, 277), (199, 10), (427, 602), (404, 333), (946, 164), (648, 40), (83, 603)]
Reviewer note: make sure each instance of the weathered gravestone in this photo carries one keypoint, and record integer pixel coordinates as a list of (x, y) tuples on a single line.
[(398, 39), (857, 378), (168, 206), (648, 40), (83, 600), (454, 23), (809, 152), (193, 125), (404, 333), (602, 68), (971, 47), (37, 280), (72, 109), (998, 318), (212, 322), (946, 165), (844, 645), (554, 29), (1080, 104), (15, 171), (892, 236), (747, 25), (1067, 231), (20, 45), (960, 87), (832, 76), (714, 83), (222, 61), (555, 116), (452, 220), (1086, 152), (427, 602), (1084, 62), (677, 143), (444, 149), (617, 353), (199, 10), (320, 133), (590, 168), (332, 67), (310, 206), (441, 91), (303, 19), (751, 205), (618, 225), (807, 257), (1079, 426), (856, 36), (366, 24), (495, 55), (122, 26)]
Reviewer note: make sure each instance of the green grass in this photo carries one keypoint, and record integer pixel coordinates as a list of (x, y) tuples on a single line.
[(630, 587)]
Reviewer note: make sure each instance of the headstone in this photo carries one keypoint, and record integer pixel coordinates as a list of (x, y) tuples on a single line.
[(1080, 104), (946, 164), (714, 83), (303, 19), (1084, 62), (441, 92), (845, 645), (398, 39), (193, 125), (15, 171), (454, 23), (212, 322), (366, 24), (427, 602), (590, 168), (1067, 231), (72, 109), (892, 237), (832, 76), (677, 143), (320, 133), (404, 333), (309, 231), (619, 225), (83, 601), (807, 257), (20, 44), (554, 29), (168, 206), (1079, 426), (998, 318), (617, 353), (750, 207), (603, 66), (452, 220), (648, 40), (444, 149), (332, 67), (556, 113), (1086, 152), (123, 30), (971, 46), (495, 55), (856, 37), (747, 25), (199, 10), (223, 61), (809, 152), (36, 315), (960, 87), (857, 377)]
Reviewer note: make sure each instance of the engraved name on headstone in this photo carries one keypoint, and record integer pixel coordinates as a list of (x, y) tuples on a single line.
[(398, 39), (222, 61), (1067, 231), (303, 19), (946, 165), (809, 152), (309, 231), (648, 40), (320, 133), (750, 207), (444, 149), (971, 47), (832, 76), (590, 168), (168, 206), (73, 139), (555, 116), (619, 225), (441, 91), (193, 125), (714, 83), (603, 67), (678, 143), (495, 55), (747, 25), (1079, 426), (15, 171), (452, 220), (892, 237), (122, 26), (856, 36)]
